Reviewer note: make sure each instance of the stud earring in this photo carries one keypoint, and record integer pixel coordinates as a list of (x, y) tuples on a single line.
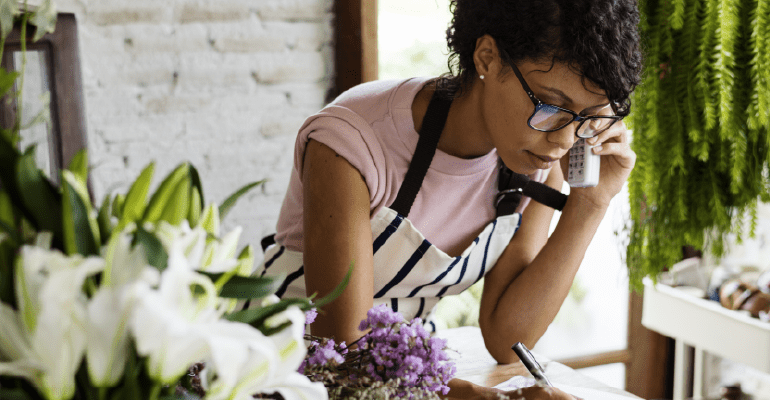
[(481, 77)]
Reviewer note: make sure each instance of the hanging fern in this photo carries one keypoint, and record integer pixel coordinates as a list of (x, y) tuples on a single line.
[(701, 123)]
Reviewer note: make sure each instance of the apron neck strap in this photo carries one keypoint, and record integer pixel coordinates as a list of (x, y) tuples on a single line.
[(430, 132), (511, 185)]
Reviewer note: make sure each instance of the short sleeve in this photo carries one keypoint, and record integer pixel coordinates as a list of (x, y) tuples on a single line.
[(352, 137)]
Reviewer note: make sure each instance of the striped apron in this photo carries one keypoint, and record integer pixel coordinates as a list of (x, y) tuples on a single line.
[(410, 274)]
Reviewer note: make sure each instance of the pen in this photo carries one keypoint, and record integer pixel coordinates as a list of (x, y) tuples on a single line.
[(532, 365)]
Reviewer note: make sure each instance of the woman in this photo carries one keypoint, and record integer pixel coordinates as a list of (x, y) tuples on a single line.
[(525, 74)]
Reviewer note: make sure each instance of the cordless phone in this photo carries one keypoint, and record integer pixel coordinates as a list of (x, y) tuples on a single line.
[(583, 165)]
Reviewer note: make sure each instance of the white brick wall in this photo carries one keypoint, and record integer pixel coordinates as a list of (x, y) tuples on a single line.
[(223, 84)]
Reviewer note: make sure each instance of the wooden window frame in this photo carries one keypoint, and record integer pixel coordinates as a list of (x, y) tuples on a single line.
[(648, 356), (355, 38), (61, 56)]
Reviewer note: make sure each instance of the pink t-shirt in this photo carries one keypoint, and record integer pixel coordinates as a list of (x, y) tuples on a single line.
[(371, 126)]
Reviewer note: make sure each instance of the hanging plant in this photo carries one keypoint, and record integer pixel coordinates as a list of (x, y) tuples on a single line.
[(700, 126)]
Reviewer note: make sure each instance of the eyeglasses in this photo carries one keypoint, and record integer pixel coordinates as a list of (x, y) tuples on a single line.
[(550, 118)]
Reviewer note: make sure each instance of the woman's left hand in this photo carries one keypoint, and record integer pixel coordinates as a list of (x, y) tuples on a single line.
[(617, 161)]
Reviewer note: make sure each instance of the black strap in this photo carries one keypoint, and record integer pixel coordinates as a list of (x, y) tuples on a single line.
[(432, 125), (267, 241), (513, 186)]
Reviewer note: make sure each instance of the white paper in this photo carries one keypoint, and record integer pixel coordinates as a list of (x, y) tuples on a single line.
[(518, 382), (590, 394)]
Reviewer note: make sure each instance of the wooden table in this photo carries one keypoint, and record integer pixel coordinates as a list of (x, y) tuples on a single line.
[(476, 365)]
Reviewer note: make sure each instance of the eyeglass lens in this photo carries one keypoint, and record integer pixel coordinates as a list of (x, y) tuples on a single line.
[(594, 126), (549, 118)]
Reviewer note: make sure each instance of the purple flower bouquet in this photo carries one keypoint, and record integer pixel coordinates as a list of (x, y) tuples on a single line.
[(395, 359)]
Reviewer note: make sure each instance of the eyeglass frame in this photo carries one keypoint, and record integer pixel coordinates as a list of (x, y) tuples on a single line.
[(575, 116)]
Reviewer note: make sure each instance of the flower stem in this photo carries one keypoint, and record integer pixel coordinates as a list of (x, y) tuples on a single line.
[(156, 391), (102, 393)]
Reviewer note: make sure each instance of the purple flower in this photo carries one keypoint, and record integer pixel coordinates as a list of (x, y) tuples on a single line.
[(324, 354), (405, 350), (310, 316), (391, 349)]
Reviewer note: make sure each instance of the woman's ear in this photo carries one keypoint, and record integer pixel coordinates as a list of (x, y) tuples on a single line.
[(486, 57)]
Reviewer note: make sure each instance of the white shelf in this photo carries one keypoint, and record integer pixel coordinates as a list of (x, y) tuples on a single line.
[(706, 325)]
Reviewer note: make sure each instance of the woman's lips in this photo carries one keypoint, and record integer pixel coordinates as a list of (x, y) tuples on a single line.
[(542, 162)]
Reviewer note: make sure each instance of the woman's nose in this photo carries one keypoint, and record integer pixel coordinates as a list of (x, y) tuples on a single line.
[(564, 137)]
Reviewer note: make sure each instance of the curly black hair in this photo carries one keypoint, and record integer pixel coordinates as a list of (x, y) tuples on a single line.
[(598, 39)]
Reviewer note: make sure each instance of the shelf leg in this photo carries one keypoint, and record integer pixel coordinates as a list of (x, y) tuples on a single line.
[(680, 369), (699, 377)]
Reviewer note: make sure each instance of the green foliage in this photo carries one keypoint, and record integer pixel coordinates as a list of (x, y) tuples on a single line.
[(700, 120)]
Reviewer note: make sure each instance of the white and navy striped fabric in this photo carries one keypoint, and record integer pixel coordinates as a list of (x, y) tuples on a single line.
[(410, 274)]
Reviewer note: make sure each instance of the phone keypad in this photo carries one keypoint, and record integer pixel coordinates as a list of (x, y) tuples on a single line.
[(577, 159)]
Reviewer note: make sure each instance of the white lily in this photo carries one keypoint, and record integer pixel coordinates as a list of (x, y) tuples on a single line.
[(45, 340), (191, 243), (219, 255), (203, 252), (267, 364), (291, 349), (166, 320), (109, 310)]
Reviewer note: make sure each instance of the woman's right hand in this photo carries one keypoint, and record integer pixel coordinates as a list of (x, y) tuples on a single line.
[(463, 390), (539, 393)]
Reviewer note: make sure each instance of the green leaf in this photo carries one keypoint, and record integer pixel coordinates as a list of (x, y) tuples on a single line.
[(6, 208), (44, 19), (267, 331), (243, 287), (7, 289), (15, 394), (117, 206), (210, 220), (10, 233), (246, 261), (8, 10), (79, 165), (230, 202), (81, 230), (7, 78), (105, 224), (178, 205), (194, 215), (136, 199), (153, 248), (9, 154), (165, 191), (257, 316), (40, 198), (195, 179)]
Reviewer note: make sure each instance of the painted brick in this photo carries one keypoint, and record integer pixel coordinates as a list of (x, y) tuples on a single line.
[(155, 129), (171, 104), (211, 11), (308, 95), (123, 15), (294, 10), (246, 37), (301, 36), (124, 101), (166, 39), (289, 67), (224, 85), (133, 70), (283, 123)]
